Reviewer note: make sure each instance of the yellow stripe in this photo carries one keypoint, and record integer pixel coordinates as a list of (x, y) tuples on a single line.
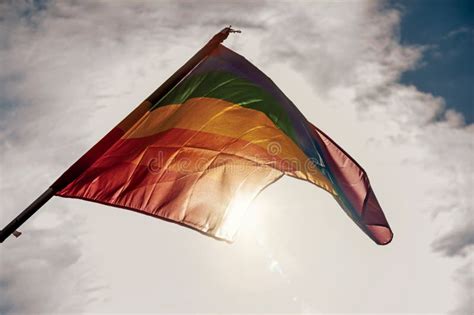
[(227, 119)]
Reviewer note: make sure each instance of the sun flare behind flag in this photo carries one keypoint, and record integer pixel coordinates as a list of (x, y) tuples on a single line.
[(215, 140)]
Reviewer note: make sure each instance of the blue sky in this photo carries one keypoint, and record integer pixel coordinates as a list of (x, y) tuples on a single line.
[(447, 29)]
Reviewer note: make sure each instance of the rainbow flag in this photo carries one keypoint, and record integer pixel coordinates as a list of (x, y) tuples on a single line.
[(199, 155)]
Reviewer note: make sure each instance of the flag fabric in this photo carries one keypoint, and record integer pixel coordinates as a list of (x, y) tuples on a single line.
[(202, 153)]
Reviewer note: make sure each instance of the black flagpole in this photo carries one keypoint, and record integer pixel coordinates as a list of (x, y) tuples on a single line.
[(161, 91)]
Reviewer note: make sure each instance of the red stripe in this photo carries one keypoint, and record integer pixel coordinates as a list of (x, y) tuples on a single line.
[(181, 175)]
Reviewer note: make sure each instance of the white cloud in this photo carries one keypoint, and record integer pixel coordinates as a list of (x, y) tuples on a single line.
[(71, 71), (458, 31)]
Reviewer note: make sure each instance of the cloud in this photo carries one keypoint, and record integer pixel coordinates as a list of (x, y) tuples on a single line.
[(465, 278), (71, 70), (362, 62), (458, 31), (458, 242)]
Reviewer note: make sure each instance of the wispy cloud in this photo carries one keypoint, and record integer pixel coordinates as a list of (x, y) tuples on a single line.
[(459, 31), (458, 242)]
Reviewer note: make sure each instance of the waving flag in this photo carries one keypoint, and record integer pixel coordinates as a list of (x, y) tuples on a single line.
[(201, 153)]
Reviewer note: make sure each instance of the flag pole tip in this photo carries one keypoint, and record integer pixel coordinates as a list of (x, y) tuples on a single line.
[(231, 30)]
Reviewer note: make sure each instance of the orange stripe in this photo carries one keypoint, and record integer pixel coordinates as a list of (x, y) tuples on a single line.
[(216, 116)]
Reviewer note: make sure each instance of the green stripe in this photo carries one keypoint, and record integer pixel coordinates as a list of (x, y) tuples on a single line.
[(228, 87)]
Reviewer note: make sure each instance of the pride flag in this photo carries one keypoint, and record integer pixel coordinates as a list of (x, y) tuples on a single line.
[(199, 155)]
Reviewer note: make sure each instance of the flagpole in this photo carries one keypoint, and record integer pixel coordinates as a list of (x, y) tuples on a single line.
[(12, 227), (162, 90)]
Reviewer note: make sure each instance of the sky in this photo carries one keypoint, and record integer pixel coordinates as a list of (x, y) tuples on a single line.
[(361, 71), (445, 29)]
